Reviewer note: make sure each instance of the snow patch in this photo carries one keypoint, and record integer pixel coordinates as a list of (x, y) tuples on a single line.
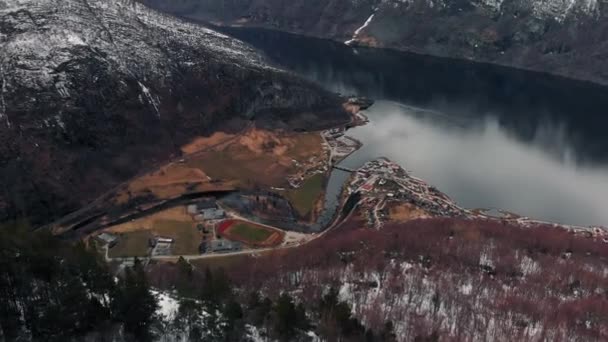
[(466, 289), (59, 121), (358, 31), (2, 102), (153, 100), (167, 305), (529, 266), (62, 89), (313, 336)]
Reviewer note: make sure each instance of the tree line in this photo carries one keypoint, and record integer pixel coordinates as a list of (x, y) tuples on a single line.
[(57, 290), (53, 290)]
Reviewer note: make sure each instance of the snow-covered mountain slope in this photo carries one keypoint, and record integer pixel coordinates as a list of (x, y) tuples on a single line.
[(41, 38), (565, 37), (92, 91)]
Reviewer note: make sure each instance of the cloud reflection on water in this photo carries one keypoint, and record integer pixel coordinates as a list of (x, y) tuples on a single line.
[(480, 165)]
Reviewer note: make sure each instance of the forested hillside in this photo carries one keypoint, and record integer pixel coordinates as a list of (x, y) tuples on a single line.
[(94, 92), (567, 38), (428, 280)]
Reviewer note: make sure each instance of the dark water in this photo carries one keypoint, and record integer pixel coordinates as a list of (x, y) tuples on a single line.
[(488, 136)]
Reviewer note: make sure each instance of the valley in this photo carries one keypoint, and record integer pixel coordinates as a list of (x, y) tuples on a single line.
[(276, 193), (272, 182), (162, 180)]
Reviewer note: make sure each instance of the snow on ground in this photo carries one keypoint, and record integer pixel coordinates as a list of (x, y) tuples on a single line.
[(167, 305), (153, 101), (313, 336), (358, 31), (130, 37), (254, 334)]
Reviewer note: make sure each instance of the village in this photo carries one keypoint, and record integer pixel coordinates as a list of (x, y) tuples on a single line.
[(381, 182), (388, 193)]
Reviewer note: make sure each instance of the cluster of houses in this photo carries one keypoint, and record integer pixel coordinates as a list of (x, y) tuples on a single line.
[(382, 179)]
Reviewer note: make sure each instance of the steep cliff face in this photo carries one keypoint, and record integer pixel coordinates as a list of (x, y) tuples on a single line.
[(568, 38), (93, 91)]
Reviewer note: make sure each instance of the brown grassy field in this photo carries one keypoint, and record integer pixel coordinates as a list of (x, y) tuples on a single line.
[(146, 223), (202, 143), (131, 244), (404, 212), (259, 157), (185, 235), (169, 181), (225, 161), (175, 223), (305, 198)]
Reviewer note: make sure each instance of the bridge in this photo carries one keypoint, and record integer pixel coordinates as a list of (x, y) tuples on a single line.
[(343, 168)]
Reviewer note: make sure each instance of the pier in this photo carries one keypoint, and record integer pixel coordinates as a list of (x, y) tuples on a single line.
[(343, 168)]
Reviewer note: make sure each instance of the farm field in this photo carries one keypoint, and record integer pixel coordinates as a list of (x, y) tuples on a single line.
[(201, 143), (250, 234), (131, 244), (259, 157), (168, 182), (184, 234), (173, 223), (145, 223), (304, 198)]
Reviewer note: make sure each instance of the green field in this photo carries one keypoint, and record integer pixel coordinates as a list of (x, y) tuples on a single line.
[(185, 235), (250, 232), (132, 244), (304, 198)]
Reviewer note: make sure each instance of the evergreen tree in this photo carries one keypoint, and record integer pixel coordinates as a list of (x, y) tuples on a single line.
[(188, 320), (286, 316), (259, 310), (216, 286), (233, 315), (185, 282), (336, 318), (135, 305), (52, 289), (388, 333)]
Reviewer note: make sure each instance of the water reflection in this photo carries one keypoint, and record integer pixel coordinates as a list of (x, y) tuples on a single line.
[(480, 165), (494, 137), (523, 103)]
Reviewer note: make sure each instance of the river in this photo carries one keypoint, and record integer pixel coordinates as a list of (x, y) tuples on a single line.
[(488, 136)]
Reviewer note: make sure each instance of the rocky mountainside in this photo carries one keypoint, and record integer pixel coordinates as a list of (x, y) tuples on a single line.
[(568, 38), (94, 91)]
